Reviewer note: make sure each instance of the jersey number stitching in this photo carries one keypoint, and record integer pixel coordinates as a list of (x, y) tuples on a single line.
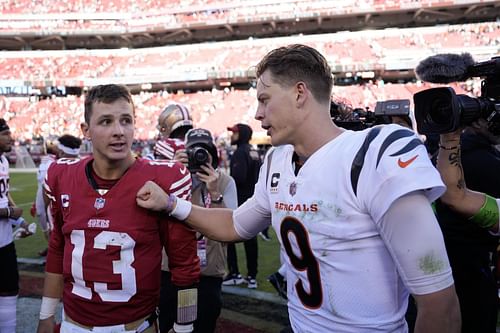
[(123, 266), (305, 261)]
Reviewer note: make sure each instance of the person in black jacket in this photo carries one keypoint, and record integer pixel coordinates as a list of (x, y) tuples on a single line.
[(244, 168)]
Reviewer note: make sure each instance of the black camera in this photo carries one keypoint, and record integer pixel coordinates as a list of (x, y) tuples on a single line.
[(441, 110), (359, 119), (199, 148), (197, 156), (394, 107)]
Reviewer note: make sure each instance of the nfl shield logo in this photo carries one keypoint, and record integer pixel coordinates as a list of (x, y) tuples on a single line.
[(293, 189), (99, 203)]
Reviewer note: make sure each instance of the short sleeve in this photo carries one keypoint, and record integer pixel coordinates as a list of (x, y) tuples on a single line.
[(396, 163), (56, 243)]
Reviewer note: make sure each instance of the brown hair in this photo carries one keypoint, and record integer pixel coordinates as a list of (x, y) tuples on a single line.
[(107, 93), (293, 63)]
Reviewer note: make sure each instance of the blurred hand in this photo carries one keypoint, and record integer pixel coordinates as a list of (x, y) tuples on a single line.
[(46, 325), (210, 177), (33, 209), (181, 156), (481, 126), (151, 196)]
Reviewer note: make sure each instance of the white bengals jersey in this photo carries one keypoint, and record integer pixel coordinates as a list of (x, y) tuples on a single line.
[(5, 226), (341, 276)]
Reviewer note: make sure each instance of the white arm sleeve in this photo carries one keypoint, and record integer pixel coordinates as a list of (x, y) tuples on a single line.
[(413, 237), (251, 218)]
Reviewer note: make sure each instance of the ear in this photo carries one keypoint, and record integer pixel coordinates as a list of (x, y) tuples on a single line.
[(85, 130), (302, 93)]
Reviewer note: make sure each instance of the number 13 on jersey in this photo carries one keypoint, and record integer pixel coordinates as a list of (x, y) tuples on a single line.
[(123, 266)]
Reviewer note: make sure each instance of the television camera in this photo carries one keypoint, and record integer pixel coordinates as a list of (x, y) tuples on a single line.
[(441, 110), (359, 118)]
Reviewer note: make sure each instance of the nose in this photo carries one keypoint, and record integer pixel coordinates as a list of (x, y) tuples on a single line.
[(118, 129), (259, 114)]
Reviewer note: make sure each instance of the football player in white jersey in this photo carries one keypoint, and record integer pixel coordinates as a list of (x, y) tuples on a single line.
[(9, 279), (351, 210), (67, 147)]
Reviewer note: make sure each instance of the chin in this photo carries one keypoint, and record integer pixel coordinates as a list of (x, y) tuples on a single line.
[(118, 156), (276, 141)]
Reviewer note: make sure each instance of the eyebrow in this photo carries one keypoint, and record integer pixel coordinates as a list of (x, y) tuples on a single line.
[(263, 83)]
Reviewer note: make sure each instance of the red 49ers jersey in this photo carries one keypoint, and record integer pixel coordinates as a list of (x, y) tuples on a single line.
[(109, 249), (166, 148)]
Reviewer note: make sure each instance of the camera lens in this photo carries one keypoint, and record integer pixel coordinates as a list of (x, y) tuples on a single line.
[(440, 110), (200, 155)]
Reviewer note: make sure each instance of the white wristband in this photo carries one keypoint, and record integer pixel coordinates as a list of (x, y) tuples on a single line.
[(182, 209), (48, 307), (17, 222), (183, 328)]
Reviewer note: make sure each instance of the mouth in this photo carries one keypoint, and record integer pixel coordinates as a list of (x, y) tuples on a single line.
[(267, 128), (118, 146)]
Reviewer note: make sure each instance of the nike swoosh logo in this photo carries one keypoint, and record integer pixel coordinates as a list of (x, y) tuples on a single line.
[(404, 164), (183, 170)]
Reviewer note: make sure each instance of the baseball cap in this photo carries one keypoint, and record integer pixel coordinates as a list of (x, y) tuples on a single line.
[(234, 128), (203, 137), (198, 136)]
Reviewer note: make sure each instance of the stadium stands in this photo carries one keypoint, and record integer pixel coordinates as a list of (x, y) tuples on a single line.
[(347, 51), (56, 21), (210, 109), (374, 52)]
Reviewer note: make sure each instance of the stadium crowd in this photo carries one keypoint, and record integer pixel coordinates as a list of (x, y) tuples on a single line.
[(212, 110), (34, 16), (346, 51)]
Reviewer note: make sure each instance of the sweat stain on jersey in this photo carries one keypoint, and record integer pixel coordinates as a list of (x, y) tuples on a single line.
[(429, 264)]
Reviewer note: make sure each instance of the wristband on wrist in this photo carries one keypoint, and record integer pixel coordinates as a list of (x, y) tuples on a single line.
[(488, 215), (181, 210), (17, 222), (178, 328), (48, 307), (170, 203)]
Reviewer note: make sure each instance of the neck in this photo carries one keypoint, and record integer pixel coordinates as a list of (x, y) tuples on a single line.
[(112, 170), (308, 144)]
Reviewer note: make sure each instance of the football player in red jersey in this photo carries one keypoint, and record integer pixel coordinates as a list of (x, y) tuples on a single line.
[(105, 251)]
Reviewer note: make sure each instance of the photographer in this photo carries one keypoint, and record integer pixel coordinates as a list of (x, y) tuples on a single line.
[(469, 219), (211, 188)]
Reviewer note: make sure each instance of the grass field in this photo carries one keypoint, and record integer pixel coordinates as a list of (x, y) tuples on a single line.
[(23, 188)]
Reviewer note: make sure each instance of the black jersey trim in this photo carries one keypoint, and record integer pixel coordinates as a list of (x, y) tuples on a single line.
[(359, 159), (409, 147), (391, 138)]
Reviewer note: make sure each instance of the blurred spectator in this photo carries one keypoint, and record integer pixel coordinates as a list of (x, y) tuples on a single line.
[(244, 165)]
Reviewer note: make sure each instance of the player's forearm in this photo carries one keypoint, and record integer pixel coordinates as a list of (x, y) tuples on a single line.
[(214, 223), (449, 164), (450, 167), (53, 285), (438, 312)]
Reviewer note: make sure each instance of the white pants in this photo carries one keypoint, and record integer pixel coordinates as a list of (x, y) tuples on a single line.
[(67, 327)]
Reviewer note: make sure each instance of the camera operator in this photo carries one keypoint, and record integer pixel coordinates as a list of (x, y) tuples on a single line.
[(211, 188), (469, 219)]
